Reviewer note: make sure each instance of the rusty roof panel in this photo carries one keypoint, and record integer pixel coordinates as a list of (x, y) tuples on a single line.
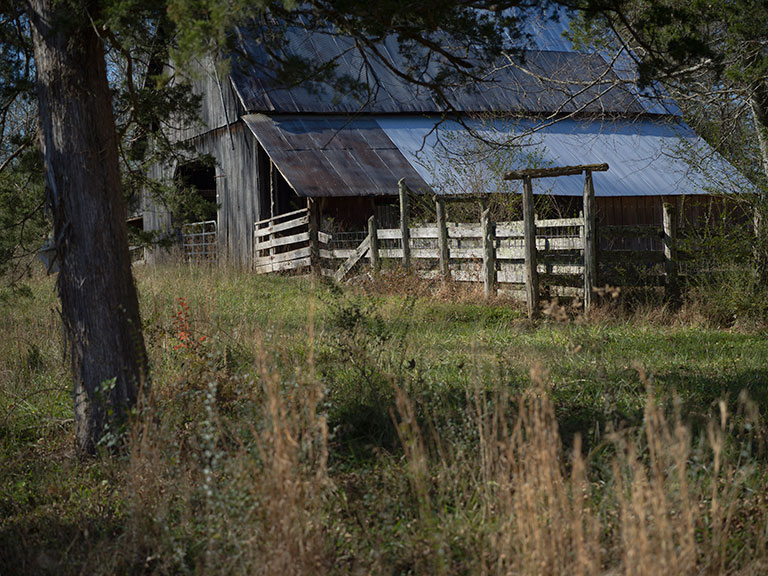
[(333, 156)]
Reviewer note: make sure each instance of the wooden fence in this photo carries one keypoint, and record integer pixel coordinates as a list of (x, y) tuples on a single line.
[(558, 256), (486, 251)]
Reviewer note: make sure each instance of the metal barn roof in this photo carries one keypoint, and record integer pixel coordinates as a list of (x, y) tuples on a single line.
[(552, 33), (545, 81), (647, 157), (327, 142), (333, 156), (337, 156)]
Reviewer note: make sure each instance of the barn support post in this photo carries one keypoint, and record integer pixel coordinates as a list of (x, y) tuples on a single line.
[(442, 237), (671, 285), (373, 251), (404, 226), (314, 236), (590, 242), (529, 234), (488, 227), (272, 195)]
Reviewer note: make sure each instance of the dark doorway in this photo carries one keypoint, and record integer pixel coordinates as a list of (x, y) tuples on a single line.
[(197, 198)]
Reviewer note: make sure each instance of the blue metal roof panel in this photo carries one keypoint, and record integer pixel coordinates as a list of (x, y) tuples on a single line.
[(546, 82), (551, 32), (646, 157)]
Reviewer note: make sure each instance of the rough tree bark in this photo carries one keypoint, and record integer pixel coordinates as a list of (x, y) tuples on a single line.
[(84, 194), (759, 105)]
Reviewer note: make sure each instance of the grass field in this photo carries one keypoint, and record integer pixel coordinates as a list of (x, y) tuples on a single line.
[(394, 427)]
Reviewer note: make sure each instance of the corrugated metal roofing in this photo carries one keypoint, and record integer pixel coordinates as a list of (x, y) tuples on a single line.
[(333, 156), (646, 157), (552, 32), (548, 81)]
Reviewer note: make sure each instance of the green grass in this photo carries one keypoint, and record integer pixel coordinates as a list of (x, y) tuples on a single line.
[(284, 358)]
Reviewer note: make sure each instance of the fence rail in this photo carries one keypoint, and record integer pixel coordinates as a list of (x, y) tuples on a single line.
[(567, 256), (284, 243)]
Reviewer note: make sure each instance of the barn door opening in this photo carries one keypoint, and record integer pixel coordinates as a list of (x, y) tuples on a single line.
[(196, 210), (198, 200), (276, 195)]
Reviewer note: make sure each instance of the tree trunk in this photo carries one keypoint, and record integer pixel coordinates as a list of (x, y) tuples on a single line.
[(84, 194), (759, 105)]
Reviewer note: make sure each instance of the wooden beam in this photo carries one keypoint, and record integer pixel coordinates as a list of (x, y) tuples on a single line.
[(529, 234), (671, 286), (404, 217), (273, 229), (353, 259), (314, 236), (272, 195), (489, 249), (374, 244), (556, 171), (590, 242), (442, 238)]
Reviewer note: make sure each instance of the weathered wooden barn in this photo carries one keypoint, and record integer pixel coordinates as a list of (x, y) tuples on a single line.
[(274, 146)]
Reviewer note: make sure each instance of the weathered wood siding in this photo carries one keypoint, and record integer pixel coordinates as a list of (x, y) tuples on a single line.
[(235, 151), (216, 105), (154, 215)]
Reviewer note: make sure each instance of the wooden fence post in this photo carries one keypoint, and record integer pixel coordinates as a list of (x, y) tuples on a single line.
[(529, 235), (404, 228), (590, 242), (442, 237), (489, 248), (314, 236), (671, 286), (374, 244)]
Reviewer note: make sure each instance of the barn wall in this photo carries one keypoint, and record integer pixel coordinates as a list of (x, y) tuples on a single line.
[(213, 113), (154, 215), (698, 210), (237, 183)]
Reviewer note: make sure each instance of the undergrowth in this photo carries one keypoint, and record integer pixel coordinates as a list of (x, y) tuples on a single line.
[(295, 427)]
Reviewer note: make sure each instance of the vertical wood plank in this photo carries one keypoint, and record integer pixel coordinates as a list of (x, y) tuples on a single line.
[(529, 234), (314, 236), (374, 244), (442, 237), (404, 226), (671, 286), (489, 248), (272, 191), (590, 242)]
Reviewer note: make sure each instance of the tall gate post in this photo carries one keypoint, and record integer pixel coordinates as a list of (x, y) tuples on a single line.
[(314, 236), (489, 248), (404, 227), (442, 237), (671, 286), (529, 235), (373, 250), (590, 242)]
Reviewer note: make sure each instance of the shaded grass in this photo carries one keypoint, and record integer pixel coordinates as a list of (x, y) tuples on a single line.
[(326, 430)]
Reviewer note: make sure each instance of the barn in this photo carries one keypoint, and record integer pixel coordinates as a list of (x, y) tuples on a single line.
[(275, 146)]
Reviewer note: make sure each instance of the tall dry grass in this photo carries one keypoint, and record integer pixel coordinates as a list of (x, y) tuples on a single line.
[(231, 465), (664, 507), (228, 468)]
